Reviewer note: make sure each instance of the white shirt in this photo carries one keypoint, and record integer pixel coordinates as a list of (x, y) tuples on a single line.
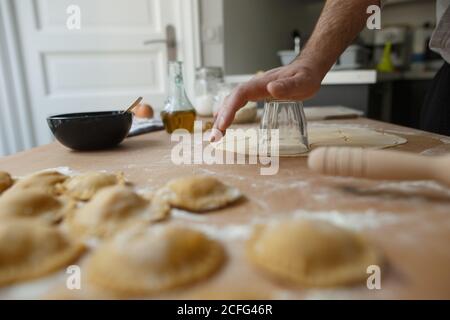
[(441, 6), (440, 40)]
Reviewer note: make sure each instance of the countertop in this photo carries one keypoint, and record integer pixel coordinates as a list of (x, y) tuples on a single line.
[(355, 77), (332, 77), (408, 221)]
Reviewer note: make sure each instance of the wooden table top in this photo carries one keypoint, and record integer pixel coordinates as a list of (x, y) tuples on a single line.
[(408, 221)]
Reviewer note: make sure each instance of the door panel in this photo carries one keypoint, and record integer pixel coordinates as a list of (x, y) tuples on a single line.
[(69, 74), (105, 64), (103, 15)]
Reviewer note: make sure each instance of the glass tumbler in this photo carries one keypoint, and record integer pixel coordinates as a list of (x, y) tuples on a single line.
[(289, 121)]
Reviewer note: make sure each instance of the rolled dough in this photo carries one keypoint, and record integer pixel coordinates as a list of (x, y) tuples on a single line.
[(320, 136)]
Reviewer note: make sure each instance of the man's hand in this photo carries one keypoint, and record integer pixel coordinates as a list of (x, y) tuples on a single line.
[(291, 82), (338, 25)]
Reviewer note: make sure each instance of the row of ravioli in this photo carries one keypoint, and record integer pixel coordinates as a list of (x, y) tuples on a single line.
[(47, 219)]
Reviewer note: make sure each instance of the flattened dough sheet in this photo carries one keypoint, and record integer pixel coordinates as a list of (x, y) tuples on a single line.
[(325, 135)]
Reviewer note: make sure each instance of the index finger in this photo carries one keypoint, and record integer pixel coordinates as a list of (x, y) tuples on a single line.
[(255, 89)]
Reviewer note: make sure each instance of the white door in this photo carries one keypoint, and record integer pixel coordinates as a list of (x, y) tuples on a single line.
[(104, 65)]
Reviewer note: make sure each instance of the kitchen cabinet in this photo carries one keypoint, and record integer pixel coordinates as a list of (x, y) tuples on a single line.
[(395, 97)]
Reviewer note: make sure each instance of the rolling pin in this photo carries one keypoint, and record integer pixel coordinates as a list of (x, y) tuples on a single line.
[(379, 164)]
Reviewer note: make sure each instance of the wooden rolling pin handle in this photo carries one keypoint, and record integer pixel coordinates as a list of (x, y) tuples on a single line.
[(379, 164)]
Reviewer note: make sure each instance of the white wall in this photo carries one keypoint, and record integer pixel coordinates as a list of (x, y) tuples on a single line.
[(413, 14), (212, 15), (254, 30)]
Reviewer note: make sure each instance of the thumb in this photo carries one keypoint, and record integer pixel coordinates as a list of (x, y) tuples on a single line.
[(286, 88)]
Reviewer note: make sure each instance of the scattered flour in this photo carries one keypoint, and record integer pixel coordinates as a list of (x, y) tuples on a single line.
[(144, 190), (63, 170), (338, 125), (363, 126), (441, 150), (320, 294), (182, 214), (229, 232), (411, 186), (321, 196), (261, 203), (286, 185), (406, 132), (67, 171), (34, 289), (350, 220), (333, 294), (213, 173)]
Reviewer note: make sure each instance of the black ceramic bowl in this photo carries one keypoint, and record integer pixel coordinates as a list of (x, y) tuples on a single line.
[(91, 130)]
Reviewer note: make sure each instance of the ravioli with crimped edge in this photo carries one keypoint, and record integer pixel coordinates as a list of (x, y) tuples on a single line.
[(30, 250), (145, 261), (113, 209), (311, 253), (45, 181), (199, 193), (5, 181), (84, 186), (33, 204)]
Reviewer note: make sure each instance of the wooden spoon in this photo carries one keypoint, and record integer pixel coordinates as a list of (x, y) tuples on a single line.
[(138, 100)]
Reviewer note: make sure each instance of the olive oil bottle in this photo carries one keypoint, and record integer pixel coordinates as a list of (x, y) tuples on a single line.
[(178, 111)]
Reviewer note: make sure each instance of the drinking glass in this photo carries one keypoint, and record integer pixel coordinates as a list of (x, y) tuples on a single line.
[(288, 118)]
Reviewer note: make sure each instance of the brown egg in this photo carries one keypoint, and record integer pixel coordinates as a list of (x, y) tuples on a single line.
[(143, 110)]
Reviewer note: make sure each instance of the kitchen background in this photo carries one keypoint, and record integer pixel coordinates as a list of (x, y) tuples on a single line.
[(46, 69)]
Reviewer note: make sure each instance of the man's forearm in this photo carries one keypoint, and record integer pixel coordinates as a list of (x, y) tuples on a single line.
[(339, 24)]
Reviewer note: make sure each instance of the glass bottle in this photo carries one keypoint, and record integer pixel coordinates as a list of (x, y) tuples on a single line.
[(207, 82), (178, 111), (223, 91)]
